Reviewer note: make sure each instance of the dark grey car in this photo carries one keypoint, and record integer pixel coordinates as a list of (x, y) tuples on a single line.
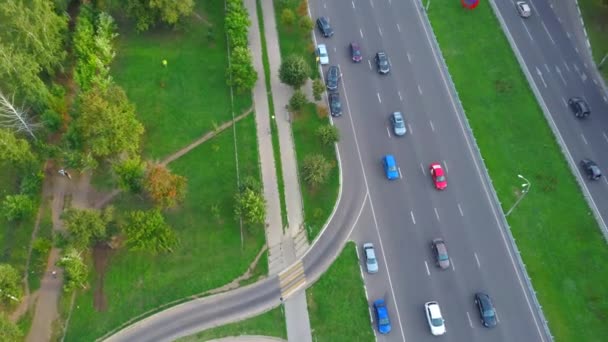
[(335, 106), (333, 78), (324, 27), (579, 107), (440, 251), (592, 171)]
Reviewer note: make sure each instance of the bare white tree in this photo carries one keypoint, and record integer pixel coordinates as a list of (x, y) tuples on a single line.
[(15, 118)]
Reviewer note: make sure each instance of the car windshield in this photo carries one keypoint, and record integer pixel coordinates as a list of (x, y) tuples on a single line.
[(443, 257), (436, 322), (399, 123), (356, 52), (441, 178), (383, 62)]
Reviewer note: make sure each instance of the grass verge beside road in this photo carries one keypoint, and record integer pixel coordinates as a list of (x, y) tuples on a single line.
[(337, 305), (556, 233), (595, 15), (271, 323)]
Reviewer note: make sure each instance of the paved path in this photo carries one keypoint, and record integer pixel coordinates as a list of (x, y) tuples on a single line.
[(284, 248), (248, 338)]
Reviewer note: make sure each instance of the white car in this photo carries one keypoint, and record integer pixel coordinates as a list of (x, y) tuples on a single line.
[(523, 9), (371, 263), (433, 316), (322, 54)]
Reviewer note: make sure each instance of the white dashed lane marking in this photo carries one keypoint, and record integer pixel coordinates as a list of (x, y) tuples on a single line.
[(460, 210), (413, 218), (477, 260)]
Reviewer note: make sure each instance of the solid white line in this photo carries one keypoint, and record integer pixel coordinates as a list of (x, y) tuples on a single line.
[(549, 34), (400, 98), (380, 30), (605, 136), (460, 210), (353, 3), (388, 132), (422, 168), (399, 169), (361, 33), (437, 214), (409, 57), (469, 317), (528, 31), (412, 215), (428, 272), (584, 140), (398, 28), (371, 316), (445, 164), (432, 127), (477, 260), (379, 100), (419, 90)]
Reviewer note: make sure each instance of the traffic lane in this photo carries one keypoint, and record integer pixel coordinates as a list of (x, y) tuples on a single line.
[(197, 315)]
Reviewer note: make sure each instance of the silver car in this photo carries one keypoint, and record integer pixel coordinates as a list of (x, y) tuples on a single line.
[(440, 251), (398, 124), (523, 9), (371, 263)]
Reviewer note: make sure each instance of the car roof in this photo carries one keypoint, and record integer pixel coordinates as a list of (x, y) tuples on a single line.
[(434, 309), (355, 45), (390, 160), (324, 20), (379, 302)]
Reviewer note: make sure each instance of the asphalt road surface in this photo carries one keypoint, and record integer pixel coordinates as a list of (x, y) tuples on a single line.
[(559, 71), (403, 216)]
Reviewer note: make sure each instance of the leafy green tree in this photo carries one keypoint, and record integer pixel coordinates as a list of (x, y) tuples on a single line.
[(251, 206), (297, 101), (147, 13), (76, 272), (241, 73), (10, 285), (107, 122), (306, 24), (317, 89), (294, 71), (328, 134), (288, 17), (17, 207), (147, 230), (237, 23), (9, 331), (15, 150), (315, 169), (164, 188), (131, 173), (87, 226)]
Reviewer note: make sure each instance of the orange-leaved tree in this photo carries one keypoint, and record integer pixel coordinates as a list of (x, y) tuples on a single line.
[(164, 188)]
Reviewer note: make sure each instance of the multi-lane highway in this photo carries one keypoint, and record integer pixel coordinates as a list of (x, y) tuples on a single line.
[(408, 213), (557, 71)]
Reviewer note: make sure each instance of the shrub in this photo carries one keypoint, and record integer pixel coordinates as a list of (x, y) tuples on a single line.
[(288, 17), (297, 101), (328, 134), (315, 169), (317, 89), (17, 207), (306, 24), (294, 71)]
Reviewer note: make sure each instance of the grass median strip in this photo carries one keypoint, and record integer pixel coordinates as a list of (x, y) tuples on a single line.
[(555, 231), (595, 15), (337, 305)]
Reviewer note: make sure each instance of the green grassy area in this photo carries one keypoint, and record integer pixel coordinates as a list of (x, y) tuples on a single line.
[(273, 124), (318, 202), (189, 97), (293, 39), (559, 240), (595, 15), (209, 254), (337, 306), (271, 323)]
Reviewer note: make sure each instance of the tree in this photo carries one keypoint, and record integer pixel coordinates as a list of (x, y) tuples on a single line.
[(163, 187), (107, 122), (328, 134), (237, 23), (147, 230), (306, 24), (87, 226), (15, 150), (148, 13), (14, 118), (17, 207), (130, 174), (251, 206), (315, 169), (10, 285), (9, 331), (317, 89), (297, 101), (288, 17), (75, 270), (241, 73), (294, 71)]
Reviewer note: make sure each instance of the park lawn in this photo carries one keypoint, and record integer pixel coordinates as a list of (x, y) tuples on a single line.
[(270, 323), (337, 305), (189, 97), (318, 202), (595, 15), (559, 240), (210, 253)]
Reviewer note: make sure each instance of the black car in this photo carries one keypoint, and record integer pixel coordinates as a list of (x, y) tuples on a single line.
[(591, 169), (335, 106), (333, 78), (579, 107), (382, 63), (355, 52), (486, 310), (324, 27)]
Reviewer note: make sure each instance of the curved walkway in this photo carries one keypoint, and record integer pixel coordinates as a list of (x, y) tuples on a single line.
[(248, 338)]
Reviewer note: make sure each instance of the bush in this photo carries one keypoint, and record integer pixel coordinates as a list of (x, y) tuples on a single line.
[(306, 24), (294, 71), (315, 169), (328, 134), (51, 120), (31, 183), (17, 207), (317, 89), (288, 17), (237, 23), (297, 101), (303, 8), (241, 73), (130, 174)]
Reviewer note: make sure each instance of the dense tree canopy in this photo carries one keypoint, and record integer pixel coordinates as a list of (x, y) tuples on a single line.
[(87, 226), (76, 271), (10, 285), (147, 230), (147, 13), (8, 330), (164, 188), (14, 150)]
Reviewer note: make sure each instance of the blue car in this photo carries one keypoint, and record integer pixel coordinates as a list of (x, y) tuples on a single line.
[(390, 167), (382, 319)]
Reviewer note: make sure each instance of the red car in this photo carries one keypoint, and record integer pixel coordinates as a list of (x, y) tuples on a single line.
[(355, 52), (438, 176)]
